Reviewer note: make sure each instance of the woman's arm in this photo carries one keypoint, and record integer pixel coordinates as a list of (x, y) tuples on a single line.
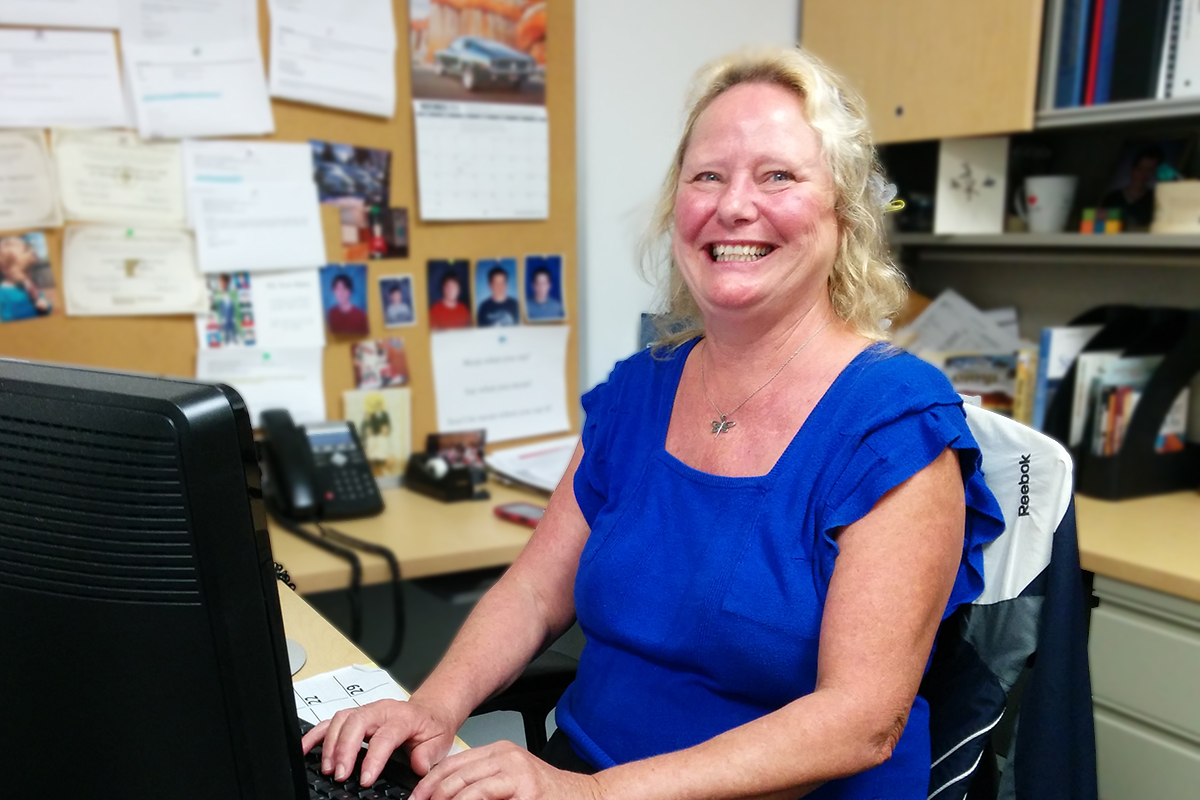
[(892, 579), (523, 613)]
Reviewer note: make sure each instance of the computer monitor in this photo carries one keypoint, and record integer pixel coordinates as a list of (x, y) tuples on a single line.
[(142, 652)]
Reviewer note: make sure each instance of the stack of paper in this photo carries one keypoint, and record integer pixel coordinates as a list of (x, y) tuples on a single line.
[(540, 466)]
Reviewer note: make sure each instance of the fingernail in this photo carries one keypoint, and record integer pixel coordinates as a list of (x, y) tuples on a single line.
[(326, 766), (340, 774)]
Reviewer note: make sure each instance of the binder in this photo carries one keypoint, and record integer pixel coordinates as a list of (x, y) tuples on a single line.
[(1141, 30), (1072, 53), (1089, 92), (1108, 41), (1185, 74)]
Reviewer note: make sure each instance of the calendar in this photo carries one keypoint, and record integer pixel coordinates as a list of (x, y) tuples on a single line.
[(482, 161)]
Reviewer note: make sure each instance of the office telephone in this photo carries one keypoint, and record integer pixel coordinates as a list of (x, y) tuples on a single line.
[(318, 471)]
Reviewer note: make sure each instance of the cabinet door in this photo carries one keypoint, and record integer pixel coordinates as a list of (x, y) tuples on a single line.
[(933, 69)]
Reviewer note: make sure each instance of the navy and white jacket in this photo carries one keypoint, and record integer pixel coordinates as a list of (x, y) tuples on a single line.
[(1032, 612)]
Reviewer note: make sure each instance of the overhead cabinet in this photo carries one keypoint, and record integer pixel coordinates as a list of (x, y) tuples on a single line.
[(933, 69)]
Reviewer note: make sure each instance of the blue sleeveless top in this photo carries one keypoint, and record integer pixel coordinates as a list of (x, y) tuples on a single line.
[(701, 595)]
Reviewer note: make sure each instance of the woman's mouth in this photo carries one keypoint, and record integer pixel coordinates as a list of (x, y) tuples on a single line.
[(738, 252)]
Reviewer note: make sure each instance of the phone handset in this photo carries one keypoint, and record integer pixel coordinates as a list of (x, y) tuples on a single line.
[(290, 466)]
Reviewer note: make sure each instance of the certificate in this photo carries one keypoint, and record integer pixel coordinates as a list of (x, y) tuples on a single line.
[(111, 270), (113, 176), (334, 63), (258, 226), (215, 89), (27, 193), (60, 78), (61, 13)]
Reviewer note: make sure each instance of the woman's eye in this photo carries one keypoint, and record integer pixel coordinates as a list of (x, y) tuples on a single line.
[(780, 175), (707, 176)]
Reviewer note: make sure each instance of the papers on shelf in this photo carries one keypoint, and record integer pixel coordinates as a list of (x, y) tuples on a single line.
[(266, 309), (509, 381), (482, 160), (113, 176), (214, 89), (320, 697), (951, 324), (288, 378), (341, 56), (60, 78), (541, 465), (27, 193), (254, 206), (195, 69), (61, 13), (111, 270)]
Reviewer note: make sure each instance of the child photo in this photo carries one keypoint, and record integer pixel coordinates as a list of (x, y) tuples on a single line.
[(496, 284), (230, 318), (344, 298), (380, 364), (396, 291), (27, 288), (449, 294), (383, 420), (544, 289)]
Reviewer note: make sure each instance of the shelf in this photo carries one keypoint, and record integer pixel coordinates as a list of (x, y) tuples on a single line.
[(1074, 241), (1107, 113)]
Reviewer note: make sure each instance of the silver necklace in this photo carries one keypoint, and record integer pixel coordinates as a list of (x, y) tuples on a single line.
[(723, 424)]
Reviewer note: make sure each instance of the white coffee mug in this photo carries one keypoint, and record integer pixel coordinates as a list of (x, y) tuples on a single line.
[(1046, 201)]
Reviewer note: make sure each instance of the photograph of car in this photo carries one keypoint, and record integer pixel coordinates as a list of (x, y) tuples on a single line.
[(477, 62), (344, 170)]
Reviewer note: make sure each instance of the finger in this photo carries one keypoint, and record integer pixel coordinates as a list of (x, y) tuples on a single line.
[(449, 766), (378, 750), (497, 787), (424, 756), (454, 783), (313, 737), (333, 735), (350, 741)]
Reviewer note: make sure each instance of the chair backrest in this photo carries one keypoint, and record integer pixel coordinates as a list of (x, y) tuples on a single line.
[(983, 648)]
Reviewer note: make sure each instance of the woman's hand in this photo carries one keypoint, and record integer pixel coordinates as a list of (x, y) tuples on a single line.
[(388, 724), (502, 771)]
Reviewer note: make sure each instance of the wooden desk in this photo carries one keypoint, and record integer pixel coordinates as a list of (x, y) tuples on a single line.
[(1151, 541), (428, 537)]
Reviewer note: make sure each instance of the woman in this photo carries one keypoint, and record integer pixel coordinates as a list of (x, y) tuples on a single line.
[(768, 521)]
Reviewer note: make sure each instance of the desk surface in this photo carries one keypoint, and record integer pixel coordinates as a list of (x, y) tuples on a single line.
[(1151, 541), (428, 537)]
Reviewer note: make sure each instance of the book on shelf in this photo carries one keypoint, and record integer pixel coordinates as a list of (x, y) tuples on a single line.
[(1088, 368), (992, 377), (1182, 77), (1106, 49), (1072, 53), (1138, 49), (1094, 37), (1116, 390), (1059, 347)]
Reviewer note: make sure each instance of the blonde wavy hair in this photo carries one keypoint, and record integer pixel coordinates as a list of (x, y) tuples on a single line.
[(865, 287)]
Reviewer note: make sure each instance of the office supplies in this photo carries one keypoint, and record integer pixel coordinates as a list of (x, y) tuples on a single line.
[(521, 513), (540, 465), (139, 587), (318, 471), (1059, 347), (430, 475)]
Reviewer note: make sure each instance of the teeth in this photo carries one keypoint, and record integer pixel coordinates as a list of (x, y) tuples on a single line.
[(739, 252)]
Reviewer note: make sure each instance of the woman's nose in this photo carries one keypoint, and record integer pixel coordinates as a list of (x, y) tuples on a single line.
[(738, 204)]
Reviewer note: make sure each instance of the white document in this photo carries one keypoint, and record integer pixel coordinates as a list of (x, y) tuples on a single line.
[(258, 226), (951, 324), (61, 13), (324, 60), (970, 188), (288, 378), (112, 270), (1088, 369), (188, 21), (320, 697), (60, 78), (217, 162), (114, 176), (213, 89), (363, 13), (482, 160), (509, 381), (28, 198), (285, 309), (541, 465)]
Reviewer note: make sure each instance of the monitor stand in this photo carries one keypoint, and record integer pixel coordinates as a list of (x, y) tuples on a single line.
[(296, 655)]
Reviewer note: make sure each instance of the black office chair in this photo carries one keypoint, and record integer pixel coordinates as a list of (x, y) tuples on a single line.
[(534, 694)]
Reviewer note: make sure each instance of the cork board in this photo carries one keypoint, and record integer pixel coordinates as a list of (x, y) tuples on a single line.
[(167, 345)]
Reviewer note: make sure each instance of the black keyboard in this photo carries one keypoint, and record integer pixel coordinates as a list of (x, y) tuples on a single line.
[(396, 782)]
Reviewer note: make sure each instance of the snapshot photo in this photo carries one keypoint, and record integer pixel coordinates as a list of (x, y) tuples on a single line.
[(383, 420), (1136, 176), (544, 289), (496, 288), (396, 293), (380, 364), (389, 233), (347, 171), (27, 287), (230, 318), (449, 294), (344, 299), (460, 449), (493, 53)]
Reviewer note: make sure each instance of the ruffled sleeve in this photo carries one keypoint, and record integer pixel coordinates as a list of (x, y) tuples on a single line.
[(892, 453), (591, 477)]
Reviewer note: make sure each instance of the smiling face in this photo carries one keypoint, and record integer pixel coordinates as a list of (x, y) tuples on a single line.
[(754, 224), (499, 286), (541, 287)]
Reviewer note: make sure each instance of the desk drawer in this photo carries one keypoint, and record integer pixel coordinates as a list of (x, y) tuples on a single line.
[(1135, 762), (1148, 666)]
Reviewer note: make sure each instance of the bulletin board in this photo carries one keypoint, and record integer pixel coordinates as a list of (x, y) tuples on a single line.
[(167, 345)]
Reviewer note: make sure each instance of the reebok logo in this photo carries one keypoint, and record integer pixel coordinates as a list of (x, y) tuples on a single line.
[(1023, 511)]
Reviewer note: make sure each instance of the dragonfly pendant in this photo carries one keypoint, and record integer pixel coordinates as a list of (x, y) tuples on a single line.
[(722, 425)]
